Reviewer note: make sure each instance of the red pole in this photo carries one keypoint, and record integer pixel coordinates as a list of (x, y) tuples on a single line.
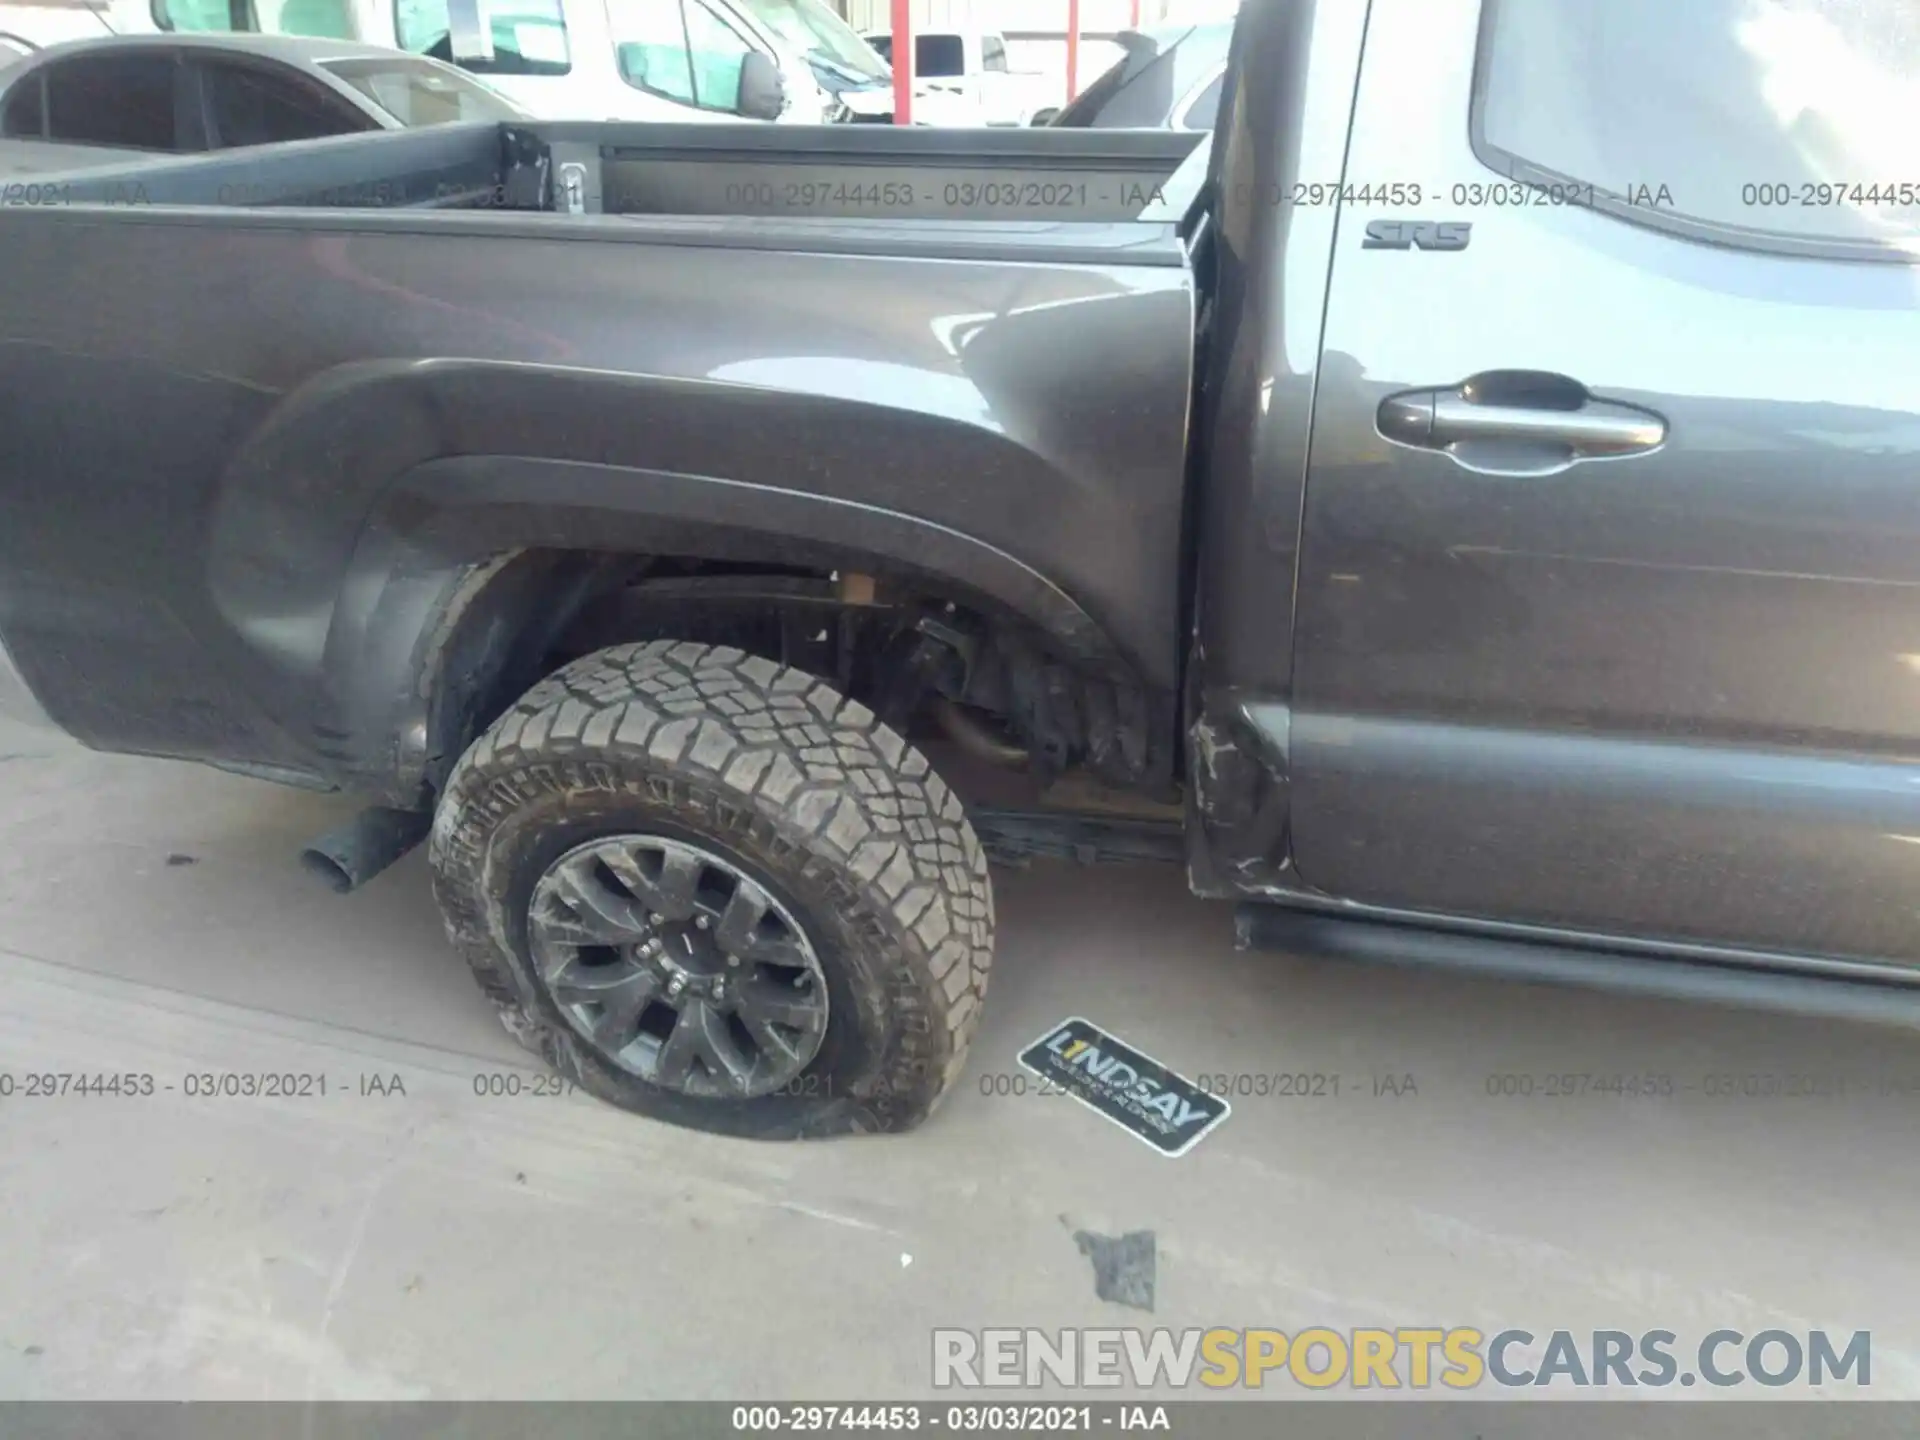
[(1073, 49), (1134, 23), (902, 62)]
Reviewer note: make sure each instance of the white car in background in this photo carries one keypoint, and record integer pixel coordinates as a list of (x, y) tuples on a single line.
[(96, 102), (961, 77), (794, 61)]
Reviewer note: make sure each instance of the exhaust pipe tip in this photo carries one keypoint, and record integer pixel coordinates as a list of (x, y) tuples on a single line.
[(327, 870), (345, 859), (974, 736)]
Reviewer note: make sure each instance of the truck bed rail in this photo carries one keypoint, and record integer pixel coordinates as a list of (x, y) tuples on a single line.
[(848, 173)]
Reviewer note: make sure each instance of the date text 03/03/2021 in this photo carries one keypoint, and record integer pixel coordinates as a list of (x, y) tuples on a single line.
[(998, 1419)]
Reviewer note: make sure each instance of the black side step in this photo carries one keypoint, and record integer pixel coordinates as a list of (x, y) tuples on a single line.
[(1752, 985), (1014, 837)]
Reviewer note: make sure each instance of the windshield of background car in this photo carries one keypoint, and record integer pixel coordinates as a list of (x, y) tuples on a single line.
[(820, 35), (417, 94)]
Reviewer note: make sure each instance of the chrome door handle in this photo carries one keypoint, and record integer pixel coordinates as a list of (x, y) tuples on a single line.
[(1519, 424)]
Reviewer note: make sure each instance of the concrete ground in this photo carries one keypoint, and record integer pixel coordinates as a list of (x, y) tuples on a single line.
[(437, 1243)]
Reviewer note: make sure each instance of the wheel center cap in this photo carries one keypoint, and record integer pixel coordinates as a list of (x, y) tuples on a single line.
[(681, 1009), (690, 951)]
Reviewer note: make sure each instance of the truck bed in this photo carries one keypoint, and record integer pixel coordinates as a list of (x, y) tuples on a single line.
[(848, 172), (344, 370)]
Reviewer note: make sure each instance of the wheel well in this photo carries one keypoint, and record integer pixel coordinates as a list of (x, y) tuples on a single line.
[(918, 655)]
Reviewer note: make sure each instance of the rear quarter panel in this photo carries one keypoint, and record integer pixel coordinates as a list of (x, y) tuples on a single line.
[(195, 441)]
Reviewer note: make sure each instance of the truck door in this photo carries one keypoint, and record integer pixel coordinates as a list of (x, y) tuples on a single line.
[(1608, 605)]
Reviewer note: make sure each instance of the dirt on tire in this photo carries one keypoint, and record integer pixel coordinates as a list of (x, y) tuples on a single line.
[(799, 784)]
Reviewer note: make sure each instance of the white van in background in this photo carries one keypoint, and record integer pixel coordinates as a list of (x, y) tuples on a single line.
[(687, 60), (644, 59), (27, 27)]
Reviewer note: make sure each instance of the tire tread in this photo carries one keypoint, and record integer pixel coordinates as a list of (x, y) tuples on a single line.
[(864, 799)]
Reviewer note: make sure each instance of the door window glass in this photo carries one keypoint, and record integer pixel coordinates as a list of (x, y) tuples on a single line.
[(24, 115), (121, 100), (696, 61), (1797, 119), (812, 29), (993, 53), (529, 36), (325, 19), (250, 105), (418, 92), (650, 46), (718, 55), (202, 17), (939, 56)]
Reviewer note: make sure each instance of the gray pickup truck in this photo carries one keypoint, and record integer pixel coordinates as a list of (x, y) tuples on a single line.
[(1468, 511)]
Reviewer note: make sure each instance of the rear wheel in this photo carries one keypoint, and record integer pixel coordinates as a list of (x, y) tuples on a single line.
[(712, 890)]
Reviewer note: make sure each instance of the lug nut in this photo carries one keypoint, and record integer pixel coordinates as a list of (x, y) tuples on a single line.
[(702, 922), (654, 919)]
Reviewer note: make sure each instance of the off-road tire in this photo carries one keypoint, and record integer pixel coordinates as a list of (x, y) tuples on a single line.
[(788, 778)]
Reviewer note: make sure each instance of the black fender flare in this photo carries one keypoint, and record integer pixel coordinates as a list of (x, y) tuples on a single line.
[(385, 505)]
